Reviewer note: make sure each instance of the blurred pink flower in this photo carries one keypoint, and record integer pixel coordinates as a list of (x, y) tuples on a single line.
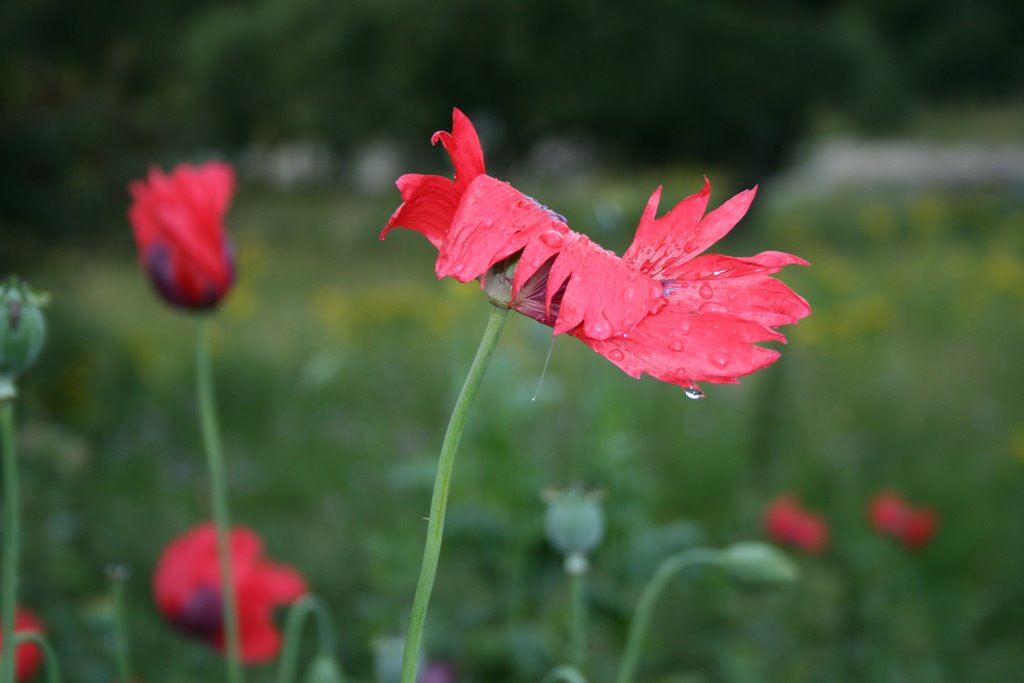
[(178, 220), (663, 308), (891, 515), (787, 522), (187, 588)]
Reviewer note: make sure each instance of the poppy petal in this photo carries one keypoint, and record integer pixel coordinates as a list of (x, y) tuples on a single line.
[(680, 347)]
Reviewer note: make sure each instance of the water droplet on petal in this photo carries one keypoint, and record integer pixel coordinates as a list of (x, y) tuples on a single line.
[(487, 223), (553, 239), (685, 327), (712, 308), (599, 328), (616, 354), (627, 322), (719, 359), (657, 306), (676, 346), (657, 291), (630, 294), (457, 268), (705, 291), (693, 392)]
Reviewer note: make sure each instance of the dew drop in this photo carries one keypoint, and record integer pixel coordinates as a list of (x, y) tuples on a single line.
[(456, 269), (616, 355), (599, 328), (685, 327), (487, 223), (676, 346), (693, 392), (553, 239), (712, 308), (719, 359), (656, 291), (630, 294), (705, 291), (628, 322), (657, 306)]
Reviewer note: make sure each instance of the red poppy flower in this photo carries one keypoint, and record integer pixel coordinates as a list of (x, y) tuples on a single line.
[(28, 657), (178, 221), (186, 586), (787, 522), (893, 516), (662, 308)]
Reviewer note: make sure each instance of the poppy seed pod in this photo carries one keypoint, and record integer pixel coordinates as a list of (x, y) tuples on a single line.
[(22, 332), (759, 564), (574, 525)]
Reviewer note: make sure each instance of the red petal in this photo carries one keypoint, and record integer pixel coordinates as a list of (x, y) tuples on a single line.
[(739, 286), (493, 221), (429, 203), (463, 146), (680, 347), (603, 294), (662, 245)]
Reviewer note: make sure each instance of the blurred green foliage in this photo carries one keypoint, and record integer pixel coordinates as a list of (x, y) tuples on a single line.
[(338, 358), (95, 92)]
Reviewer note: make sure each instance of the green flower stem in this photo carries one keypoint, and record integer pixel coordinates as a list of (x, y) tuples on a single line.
[(567, 674), (219, 496), (442, 484), (297, 614), (578, 623), (669, 567), (118, 575), (9, 579), (52, 663)]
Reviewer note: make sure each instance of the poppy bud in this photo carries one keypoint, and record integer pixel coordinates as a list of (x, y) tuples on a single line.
[(574, 525), (22, 332), (178, 220), (758, 563)]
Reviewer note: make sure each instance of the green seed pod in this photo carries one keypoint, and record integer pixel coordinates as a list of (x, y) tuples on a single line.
[(22, 332), (574, 525), (758, 563)]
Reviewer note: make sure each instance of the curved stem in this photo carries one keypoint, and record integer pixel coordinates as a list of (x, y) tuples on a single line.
[(219, 496), (297, 614), (568, 674), (9, 579), (442, 484), (578, 623), (669, 567), (52, 663)]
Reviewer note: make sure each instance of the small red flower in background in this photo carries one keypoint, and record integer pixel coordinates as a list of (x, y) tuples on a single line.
[(186, 586), (28, 656), (178, 221), (893, 516), (786, 521), (662, 309)]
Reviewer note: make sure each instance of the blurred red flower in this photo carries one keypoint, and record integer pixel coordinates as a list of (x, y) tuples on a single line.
[(662, 309), (891, 515), (29, 656), (787, 522), (178, 220), (186, 586)]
